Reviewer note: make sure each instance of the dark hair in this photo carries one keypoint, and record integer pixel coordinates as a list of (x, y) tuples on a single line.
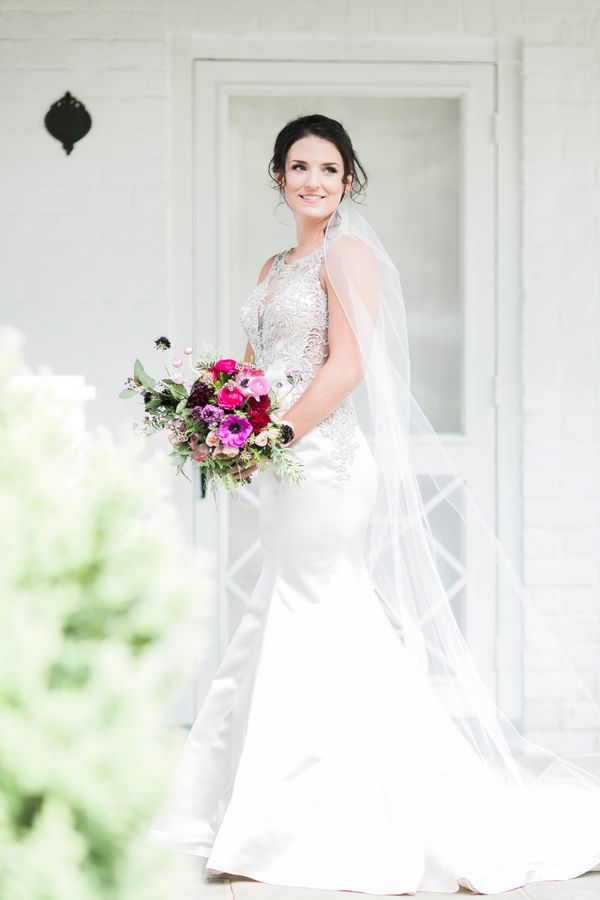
[(329, 130)]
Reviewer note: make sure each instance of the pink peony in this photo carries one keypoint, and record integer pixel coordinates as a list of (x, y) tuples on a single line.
[(230, 396), (225, 365)]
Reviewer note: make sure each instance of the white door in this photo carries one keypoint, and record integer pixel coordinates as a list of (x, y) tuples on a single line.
[(424, 135)]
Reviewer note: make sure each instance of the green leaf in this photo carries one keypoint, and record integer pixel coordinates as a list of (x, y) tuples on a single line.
[(181, 405), (126, 393), (142, 376), (177, 390)]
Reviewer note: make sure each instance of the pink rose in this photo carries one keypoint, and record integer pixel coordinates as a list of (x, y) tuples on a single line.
[(225, 365), (229, 397), (212, 439)]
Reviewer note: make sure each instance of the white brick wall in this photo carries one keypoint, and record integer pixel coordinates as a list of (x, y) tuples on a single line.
[(83, 238)]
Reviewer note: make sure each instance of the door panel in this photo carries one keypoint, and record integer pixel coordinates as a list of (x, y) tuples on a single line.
[(423, 134)]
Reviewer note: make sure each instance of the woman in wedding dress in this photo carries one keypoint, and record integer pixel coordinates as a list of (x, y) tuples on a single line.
[(322, 757)]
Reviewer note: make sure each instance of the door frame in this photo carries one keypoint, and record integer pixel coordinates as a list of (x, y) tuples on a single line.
[(505, 55)]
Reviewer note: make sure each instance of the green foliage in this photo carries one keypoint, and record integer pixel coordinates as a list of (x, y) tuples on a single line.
[(98, 623), (286, 467), (142, 376)]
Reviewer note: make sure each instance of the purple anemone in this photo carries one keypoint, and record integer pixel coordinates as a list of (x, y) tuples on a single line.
[(234, 430)]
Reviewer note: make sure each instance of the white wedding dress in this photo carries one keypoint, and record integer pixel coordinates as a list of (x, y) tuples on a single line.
[(321, 757)]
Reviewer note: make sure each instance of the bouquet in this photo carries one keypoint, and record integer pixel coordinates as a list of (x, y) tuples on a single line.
[(223, 417)]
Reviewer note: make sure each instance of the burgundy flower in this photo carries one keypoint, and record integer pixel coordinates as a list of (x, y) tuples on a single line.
[(259, 419), (201, 394), (262, 402)]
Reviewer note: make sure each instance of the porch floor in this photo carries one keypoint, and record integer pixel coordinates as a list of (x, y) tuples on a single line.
[(200, 885)]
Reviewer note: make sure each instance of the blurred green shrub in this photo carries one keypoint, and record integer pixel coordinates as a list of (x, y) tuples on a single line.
[(100, 616)]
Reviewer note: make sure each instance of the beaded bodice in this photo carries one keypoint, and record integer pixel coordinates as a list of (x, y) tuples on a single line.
[(286, 319)]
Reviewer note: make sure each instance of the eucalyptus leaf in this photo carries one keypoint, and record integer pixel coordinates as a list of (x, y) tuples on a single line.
[(142, 376), (176, 390)]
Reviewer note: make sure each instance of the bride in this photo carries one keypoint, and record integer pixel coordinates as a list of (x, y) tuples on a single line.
[(326, 754)]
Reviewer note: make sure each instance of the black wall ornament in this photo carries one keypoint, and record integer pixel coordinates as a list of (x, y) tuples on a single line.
[(68, 121)]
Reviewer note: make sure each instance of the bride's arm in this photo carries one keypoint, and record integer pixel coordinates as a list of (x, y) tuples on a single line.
[(343, 370)]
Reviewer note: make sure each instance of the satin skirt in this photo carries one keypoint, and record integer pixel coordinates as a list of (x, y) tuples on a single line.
[(321, 758)]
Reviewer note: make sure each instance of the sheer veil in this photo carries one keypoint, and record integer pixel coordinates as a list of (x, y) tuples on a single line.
[(418, 580)]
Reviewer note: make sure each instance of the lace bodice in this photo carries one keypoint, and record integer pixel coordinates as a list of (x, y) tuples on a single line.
[(286, 319)]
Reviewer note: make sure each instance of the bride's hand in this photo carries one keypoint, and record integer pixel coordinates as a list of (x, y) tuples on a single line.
[(245, 473)]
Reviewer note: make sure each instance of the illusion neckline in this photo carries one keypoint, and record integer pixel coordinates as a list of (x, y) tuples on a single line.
[(302, 258)]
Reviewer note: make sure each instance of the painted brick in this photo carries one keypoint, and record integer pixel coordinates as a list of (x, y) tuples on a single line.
[(559, 513), (549, 686), (581, 426), (565, 743), (542, 486), (558, 7), (561, 572), (547, 600), (580, 716), (581, 487), (543, 29), (543, 714), (541, 542), (579, 600)]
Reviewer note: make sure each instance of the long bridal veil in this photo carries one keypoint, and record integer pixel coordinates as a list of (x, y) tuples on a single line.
[(429, 540)]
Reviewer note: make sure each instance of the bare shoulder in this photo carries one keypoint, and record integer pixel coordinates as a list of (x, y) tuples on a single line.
[(266, 268)]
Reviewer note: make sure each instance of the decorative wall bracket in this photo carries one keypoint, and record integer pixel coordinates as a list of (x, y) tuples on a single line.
[(68, 121)]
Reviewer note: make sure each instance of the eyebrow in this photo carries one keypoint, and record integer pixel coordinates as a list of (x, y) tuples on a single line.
[(323, 164)]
